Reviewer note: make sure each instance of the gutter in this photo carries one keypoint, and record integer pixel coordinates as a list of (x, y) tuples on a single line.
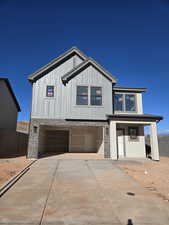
[(135, 116)]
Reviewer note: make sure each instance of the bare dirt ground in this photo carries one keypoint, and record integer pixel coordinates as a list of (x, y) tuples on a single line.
[(74, 155), (11, 166), (153, 175)]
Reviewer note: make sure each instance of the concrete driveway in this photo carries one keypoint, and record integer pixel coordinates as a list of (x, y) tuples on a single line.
[(80, 192)]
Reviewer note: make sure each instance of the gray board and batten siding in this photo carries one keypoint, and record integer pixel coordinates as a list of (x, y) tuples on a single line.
[(63, 104)]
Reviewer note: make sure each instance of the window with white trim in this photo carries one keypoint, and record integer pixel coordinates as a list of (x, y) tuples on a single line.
[(124, 102)]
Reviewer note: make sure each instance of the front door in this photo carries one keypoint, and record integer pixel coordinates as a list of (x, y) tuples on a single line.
[(120, 143)]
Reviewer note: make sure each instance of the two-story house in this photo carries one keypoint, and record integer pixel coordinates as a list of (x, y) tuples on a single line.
[(77, 107)]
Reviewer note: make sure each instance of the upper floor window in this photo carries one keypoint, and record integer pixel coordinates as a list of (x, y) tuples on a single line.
[(89, 96), (82, 95), (130, 102), (50, 91), (118, 102), (96, 96), (125, 102)]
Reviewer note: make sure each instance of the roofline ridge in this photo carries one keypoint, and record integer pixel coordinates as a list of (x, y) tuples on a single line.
[(85, 62), (53, 61)]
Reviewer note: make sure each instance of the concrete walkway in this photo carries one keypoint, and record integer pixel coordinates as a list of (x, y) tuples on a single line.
[(80, 192)]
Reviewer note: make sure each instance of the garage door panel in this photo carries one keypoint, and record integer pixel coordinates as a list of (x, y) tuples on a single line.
[(84, 140)]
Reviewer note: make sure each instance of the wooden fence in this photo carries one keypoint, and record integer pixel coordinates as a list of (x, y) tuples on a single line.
[(13, 143)]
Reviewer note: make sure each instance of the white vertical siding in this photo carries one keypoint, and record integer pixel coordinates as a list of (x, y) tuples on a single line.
[(77, 60), (134, 149)]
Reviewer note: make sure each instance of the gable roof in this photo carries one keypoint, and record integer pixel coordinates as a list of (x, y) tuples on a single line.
[(89, 61), (11, 92), (57, 61), (62, 58)]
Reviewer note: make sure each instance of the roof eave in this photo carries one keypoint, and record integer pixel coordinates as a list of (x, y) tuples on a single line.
[(135, 116), (129, 89), (109, 75), (69, 75), (75, 50)]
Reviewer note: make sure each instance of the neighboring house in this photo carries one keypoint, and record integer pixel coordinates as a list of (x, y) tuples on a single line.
[(9, 106), (77, 107), (10, 140)]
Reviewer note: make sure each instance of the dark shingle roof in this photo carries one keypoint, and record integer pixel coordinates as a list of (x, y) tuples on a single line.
[(129, 89)]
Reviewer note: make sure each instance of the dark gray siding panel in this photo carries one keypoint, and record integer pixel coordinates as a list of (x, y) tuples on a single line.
[(8, 111)]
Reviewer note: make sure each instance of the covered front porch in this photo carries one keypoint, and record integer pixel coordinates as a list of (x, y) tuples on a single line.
[(127, 138)]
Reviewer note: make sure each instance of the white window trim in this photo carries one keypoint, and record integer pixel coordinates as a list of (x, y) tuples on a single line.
[(123, 96)]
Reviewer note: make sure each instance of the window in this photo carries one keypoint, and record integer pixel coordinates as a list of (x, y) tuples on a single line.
[(125, 102), (96, 96), (133, 133), (82, 95), (118, 102), (130, 102), (50, 91)]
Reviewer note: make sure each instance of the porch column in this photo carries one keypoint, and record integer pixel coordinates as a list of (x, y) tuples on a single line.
[(113, 140), (154, 141), (106, 138), (33, 141)]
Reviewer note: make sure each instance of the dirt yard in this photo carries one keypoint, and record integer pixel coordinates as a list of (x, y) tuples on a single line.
[(153, 175), (11, 166)]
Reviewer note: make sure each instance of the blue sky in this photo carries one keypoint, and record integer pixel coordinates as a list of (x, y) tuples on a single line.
[(130, 38)]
